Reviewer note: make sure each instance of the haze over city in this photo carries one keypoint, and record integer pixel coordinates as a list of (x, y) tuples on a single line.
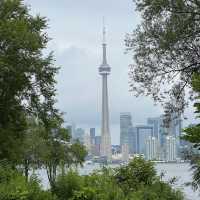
[(77, 38)]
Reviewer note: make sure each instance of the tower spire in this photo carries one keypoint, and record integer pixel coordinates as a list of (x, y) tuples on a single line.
[(104, 44), (104, 31)]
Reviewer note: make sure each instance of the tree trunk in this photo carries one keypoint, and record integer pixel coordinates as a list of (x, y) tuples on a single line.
[(26, 169)]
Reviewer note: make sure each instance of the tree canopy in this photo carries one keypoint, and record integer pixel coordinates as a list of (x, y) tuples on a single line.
[(137, 181), (165, 48), (27, 77)]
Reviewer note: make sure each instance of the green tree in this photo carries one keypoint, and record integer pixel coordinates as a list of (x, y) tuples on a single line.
[(165, 48), (157, 191), (33, 146), (136, 181), (86, 193), (192, 134), (49, 148), (27, 76), (13, 185), (139, 181), (136, 174), (58, 153), (67, 184), (103, 185)]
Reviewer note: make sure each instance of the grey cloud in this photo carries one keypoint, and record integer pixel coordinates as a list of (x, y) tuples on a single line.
[(76, 28)]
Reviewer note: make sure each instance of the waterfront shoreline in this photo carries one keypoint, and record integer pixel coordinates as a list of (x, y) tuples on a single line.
[(180, 170)]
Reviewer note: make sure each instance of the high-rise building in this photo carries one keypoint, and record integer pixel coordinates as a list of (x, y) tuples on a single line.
[(155, 122), (71, 130), (170, 148), (152, 148), (161, 131), (125, 127), (132, 143), (92, 141), (174, 129), (87, 143), (97, 145), (158, 128), (104, 71), (125, 152), (92, 135), (79, 135), (158, 133), (142, 133), (177, 129)]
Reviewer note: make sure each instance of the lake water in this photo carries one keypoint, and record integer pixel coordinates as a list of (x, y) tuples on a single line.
[(181, 171)]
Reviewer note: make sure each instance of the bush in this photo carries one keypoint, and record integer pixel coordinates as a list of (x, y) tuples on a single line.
[(105, 185), (136, 181), (13, 186), (157, 191), (67, 184), (136, 174)]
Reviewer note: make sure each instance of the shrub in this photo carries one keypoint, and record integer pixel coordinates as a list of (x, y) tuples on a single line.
[(67, 184), (13, 186)]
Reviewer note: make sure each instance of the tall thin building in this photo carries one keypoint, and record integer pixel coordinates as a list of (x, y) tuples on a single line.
[(142, 133), (125, 125), (152, 148), (87, 143), (92, 136), (125, 152), (104, 71), (92, 141), (79, 135), (170, 148), (97, 145)]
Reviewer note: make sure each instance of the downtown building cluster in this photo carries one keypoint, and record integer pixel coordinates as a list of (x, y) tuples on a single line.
[(91, 141), (153, 140)]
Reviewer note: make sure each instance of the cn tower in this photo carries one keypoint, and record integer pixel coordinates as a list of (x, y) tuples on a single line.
[(104, 71)]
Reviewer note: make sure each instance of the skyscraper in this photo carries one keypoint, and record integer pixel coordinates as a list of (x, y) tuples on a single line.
[(152, 148), (176, 128), (72, 131), (92, 132), (87, 143), (132, 140), (158, 128), (155, 123), (104, 71), (92, 140), (79, 135), (142, 133), (125, 153), (170, 148), (125, 126), (92, 136), (97, 145)]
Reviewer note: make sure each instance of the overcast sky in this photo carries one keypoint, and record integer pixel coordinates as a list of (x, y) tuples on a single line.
[(75, 27)]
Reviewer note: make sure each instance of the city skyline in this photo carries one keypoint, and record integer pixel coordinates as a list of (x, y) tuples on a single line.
[(76, 39), (153, 140)]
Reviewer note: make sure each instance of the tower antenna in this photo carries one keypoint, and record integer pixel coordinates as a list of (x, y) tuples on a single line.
[(104, 31)]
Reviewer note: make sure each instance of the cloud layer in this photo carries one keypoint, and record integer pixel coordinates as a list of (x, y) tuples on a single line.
[(76, 31)]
